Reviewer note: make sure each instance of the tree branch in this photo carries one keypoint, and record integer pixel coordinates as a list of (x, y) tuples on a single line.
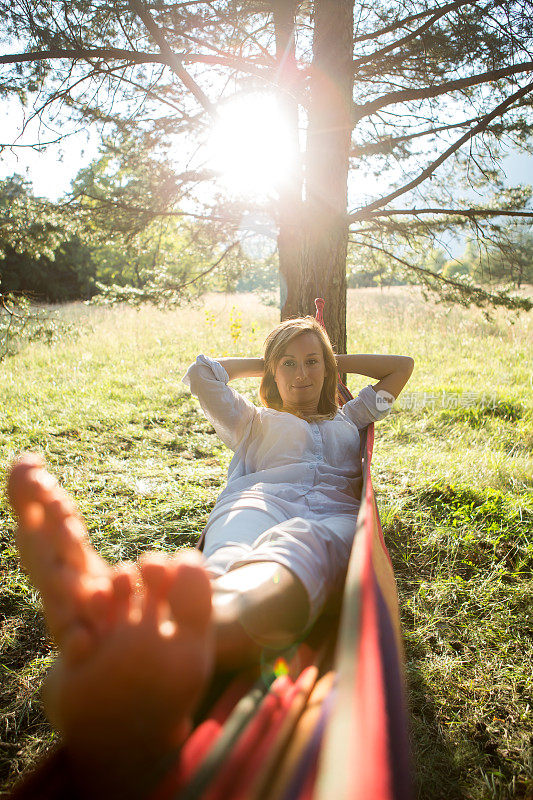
[(402, 23), (428, 172), (411, 35), (131, 56), (157, 290), (134, 57), (105, 202), (171, 59), (35, 145), (212, 267), (371, 148), (428, 92), (466, 212)]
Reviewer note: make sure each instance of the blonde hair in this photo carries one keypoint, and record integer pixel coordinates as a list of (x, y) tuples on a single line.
[(275, 347)]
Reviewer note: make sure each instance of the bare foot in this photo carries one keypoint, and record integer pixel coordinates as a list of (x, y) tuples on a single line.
[(54, 550), (133, 666), (125, 702)]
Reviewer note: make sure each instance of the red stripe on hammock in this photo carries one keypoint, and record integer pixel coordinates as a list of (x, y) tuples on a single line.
[(234, 774), (201, 741), (259, 753), (369, 770)]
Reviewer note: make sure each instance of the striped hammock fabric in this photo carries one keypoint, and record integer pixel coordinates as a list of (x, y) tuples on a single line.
[(367, 728)]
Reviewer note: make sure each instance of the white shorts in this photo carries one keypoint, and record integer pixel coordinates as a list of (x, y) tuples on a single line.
[(314, 548)]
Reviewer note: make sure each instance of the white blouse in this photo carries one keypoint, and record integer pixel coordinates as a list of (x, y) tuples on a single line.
[(279, 455)]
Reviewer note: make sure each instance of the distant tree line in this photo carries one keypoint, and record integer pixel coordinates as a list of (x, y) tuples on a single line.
[(61, 252)]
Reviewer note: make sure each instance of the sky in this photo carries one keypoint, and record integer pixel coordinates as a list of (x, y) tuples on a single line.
[(51, 169)]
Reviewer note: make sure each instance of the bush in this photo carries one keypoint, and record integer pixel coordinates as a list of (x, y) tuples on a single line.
[(70, 275)]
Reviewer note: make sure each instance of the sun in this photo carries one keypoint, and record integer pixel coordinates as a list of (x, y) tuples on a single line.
[(250, 146)]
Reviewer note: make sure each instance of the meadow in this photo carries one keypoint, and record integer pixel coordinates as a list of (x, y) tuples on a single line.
[(452, 470)]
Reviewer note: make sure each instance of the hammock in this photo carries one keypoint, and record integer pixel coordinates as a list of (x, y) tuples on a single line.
[(324, 720)]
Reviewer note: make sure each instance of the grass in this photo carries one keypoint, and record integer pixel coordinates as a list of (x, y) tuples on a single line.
[(452, 471)]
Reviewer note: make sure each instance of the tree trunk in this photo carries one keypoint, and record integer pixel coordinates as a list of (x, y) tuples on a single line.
[(314, 236), (291, 191)]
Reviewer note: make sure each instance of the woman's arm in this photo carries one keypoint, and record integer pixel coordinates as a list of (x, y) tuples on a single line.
[(393, 371), (229, 412), (242, 367)]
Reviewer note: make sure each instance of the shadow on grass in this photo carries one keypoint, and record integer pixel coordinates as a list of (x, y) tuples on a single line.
[(435, 771)]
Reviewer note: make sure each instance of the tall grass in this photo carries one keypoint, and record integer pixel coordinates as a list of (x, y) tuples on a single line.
[(452, 470)]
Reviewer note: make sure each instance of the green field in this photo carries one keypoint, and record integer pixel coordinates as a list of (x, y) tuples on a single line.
[(452, 471)]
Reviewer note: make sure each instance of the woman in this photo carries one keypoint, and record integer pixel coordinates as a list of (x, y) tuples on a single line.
[(278, 540), (137, 643)]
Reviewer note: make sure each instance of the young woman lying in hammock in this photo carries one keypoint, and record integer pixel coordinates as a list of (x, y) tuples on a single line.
[(137, 642)]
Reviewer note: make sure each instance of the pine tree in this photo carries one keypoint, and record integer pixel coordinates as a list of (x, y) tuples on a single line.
[(433, 90)]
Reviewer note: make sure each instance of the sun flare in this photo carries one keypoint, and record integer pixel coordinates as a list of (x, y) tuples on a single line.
[(250, 145)]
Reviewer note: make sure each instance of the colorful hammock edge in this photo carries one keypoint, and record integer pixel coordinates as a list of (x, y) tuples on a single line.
[(367, 730)]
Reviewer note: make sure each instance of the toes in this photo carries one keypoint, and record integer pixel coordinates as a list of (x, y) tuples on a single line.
[(62, 595), (29, 484), (67, 534), (42, 506), (156, 573), (50, 534), (36, 556), (78, 645), (97, 607), (123, 582), (50, 528), (28, 459), (18, 471), (59, 508), (36, 496), (189, 594)]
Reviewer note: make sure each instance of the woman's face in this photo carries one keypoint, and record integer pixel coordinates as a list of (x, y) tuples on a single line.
[(300, 373)]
